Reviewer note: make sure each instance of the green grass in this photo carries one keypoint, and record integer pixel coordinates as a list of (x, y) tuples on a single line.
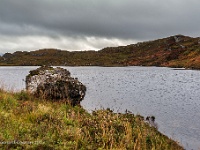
[(30, 123)]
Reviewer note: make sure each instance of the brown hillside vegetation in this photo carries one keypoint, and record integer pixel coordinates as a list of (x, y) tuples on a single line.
[(173, 51)]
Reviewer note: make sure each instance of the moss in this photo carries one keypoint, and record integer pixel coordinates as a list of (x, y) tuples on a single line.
[(40, 70), (34, 72)]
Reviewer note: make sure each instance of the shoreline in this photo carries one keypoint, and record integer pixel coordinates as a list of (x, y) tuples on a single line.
[(174, 68)]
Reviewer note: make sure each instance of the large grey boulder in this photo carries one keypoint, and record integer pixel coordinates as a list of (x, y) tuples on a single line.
[(55, 84)]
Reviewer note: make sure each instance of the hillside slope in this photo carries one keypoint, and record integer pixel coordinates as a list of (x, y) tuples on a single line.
[(173, 51)]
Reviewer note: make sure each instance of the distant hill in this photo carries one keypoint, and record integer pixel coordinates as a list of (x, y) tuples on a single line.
[(173, 51)]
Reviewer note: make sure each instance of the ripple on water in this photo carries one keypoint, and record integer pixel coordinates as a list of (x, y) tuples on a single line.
[(172, 96)]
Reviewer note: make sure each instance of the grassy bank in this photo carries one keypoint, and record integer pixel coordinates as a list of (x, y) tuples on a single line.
[(30, 123)]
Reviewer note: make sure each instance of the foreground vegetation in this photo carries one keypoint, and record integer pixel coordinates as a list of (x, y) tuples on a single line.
[(173, 51), (32, 123)]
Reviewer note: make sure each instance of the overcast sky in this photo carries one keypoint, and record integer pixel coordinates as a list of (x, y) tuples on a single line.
[(92, 24)]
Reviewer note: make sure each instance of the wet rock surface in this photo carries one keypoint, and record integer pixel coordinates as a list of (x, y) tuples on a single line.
[(55, 84)]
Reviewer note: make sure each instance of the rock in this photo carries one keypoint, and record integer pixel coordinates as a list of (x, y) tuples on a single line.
[(178, 38), (151, 121), (55, 84)]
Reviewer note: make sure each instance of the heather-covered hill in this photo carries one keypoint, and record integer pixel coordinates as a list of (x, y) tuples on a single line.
[(174, 51)]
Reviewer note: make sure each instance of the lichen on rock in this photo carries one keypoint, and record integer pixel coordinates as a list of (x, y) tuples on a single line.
[(55, 84)]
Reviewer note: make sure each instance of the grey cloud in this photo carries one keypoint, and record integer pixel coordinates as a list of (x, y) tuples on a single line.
[(28, 43), (127, 19)]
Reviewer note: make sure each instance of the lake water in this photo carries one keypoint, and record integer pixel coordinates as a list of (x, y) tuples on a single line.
[(172, 96)]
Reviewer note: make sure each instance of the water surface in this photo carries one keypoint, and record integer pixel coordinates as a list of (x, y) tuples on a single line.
[(172, 96)]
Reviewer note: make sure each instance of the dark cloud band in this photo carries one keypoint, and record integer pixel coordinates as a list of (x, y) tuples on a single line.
[(137, 20)]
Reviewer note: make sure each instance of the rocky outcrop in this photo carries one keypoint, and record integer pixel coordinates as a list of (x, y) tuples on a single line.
[(55, 84)]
